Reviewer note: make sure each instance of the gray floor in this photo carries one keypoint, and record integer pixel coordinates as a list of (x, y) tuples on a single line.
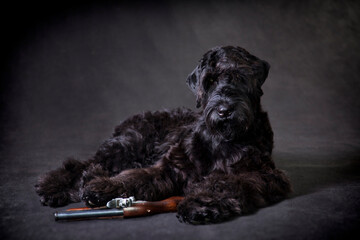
[(74, 73)]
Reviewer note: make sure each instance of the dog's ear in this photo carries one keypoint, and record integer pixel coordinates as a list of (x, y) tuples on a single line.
[(262, 71), (193, 82)]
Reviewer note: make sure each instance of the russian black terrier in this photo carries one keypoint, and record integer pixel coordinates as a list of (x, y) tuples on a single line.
[(218, 158)]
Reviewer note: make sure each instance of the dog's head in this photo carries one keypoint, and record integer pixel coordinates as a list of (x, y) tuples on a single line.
[(227, 84)]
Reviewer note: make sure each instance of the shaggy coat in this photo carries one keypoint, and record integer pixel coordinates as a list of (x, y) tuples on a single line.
[(219, 158)]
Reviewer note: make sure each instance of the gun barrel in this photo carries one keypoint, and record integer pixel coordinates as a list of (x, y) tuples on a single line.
[(89, 214)]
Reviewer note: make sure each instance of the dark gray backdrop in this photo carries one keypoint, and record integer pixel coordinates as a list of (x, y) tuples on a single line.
[(71, 71)]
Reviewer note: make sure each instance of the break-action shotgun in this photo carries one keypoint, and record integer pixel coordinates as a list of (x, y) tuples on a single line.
[(120, 208)]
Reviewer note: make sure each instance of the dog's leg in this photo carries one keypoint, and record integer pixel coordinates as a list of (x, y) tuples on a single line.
[(127, 150), (61, 186), (153, 183), (221, 197)]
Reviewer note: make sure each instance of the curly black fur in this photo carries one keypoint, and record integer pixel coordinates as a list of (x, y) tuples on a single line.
[(218, 158)]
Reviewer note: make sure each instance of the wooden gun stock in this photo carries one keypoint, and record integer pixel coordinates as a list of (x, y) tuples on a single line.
[(137, 209), (143, 208)]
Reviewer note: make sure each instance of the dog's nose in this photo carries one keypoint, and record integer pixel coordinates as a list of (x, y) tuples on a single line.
[(224, 111)]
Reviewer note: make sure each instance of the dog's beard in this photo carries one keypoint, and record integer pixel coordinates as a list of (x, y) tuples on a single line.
[(228, 128)]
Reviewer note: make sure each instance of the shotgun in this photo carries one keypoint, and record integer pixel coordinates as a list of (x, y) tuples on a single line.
[(120, 208)]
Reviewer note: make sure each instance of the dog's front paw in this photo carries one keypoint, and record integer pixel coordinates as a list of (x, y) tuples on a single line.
[(100, 190), (196, 211)]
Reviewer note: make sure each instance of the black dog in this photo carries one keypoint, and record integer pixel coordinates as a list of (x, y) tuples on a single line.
[(219, 158)]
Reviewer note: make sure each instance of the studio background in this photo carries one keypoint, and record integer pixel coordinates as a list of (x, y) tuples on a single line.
[(72, 71)]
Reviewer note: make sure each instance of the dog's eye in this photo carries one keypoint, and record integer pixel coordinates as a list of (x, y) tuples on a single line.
[(209, 83)]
